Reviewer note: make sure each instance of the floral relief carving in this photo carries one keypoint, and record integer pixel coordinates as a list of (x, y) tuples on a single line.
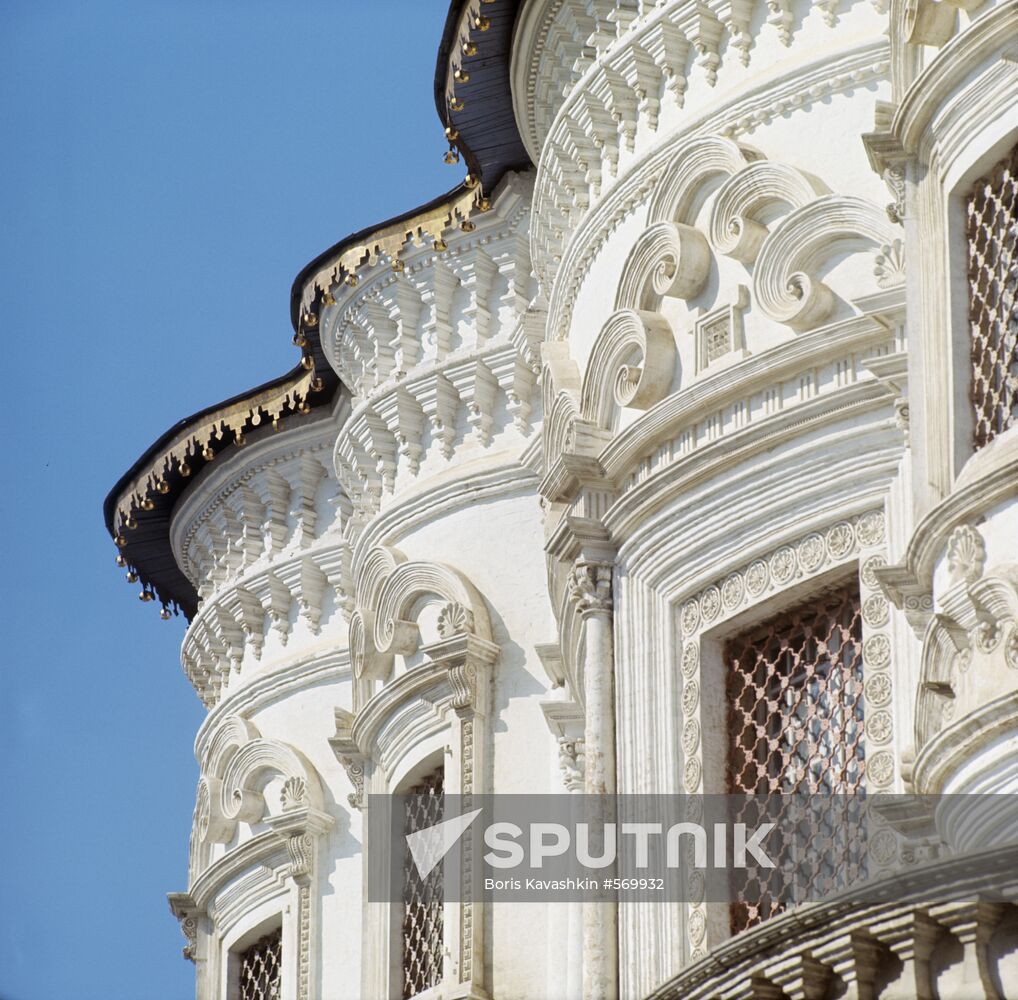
[(840, 539), (808, 554), (697, 926), (884, 846), (877, 651), (691, 774), (697, 887), (690, 736), (690, 697), (690, 659), (757, 577), (878, 689), (710, 604), (783, 565), (690, 617), (875, 610), (880, 768), (870, 529), (732, 591), (879, 726), (812, 552), (868, 572)]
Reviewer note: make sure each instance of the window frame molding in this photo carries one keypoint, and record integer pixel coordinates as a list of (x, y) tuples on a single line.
[(275, 867), (951, 123), (439, 704), (752, 592)]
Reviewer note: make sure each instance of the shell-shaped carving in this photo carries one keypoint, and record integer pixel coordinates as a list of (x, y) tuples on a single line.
[(966, 554), (632, 364), (454, 619), (734, 227), (668, 259), (293, 793)]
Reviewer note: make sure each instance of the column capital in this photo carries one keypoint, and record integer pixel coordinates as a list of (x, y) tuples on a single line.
[(572, 762), (590, 585)]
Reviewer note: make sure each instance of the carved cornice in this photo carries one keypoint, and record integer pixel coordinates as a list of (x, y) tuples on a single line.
[(681, 411), (454, 672), (957, 746), (270, 459), (865, 403), (850, 931)]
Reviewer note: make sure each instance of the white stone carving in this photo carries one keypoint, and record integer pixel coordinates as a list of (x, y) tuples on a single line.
[(784, 281)]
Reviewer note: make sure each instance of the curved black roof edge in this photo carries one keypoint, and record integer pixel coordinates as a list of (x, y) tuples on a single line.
[(489, 143), (147, 550)]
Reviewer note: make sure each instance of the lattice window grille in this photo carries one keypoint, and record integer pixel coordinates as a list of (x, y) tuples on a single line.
[(794, 687), (260, 968), (992, 230), (423, 898), (717, 339), (718, 335)]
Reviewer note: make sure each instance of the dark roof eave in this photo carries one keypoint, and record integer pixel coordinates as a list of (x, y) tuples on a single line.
[(491, 146)]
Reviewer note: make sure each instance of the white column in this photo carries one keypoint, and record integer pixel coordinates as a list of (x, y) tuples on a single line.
[(571, 760), (591, 586)]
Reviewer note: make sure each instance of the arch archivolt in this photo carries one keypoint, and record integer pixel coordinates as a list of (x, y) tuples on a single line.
[(236, 767), (391, 592)]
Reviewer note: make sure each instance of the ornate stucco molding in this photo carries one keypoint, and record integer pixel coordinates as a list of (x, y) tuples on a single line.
[(784, 280), (850, 941), (652, 176), (440, 697), (632, 364), (236, 764)]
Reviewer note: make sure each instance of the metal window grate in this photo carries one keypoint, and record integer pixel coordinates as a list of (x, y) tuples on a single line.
[(423, 898), (260, 968), (795, 722), (992, 230), (717, 339)]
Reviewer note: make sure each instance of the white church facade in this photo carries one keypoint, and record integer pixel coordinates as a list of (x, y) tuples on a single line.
[(691, 411)]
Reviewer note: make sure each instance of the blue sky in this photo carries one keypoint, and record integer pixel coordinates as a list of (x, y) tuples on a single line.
[(166, 168)]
